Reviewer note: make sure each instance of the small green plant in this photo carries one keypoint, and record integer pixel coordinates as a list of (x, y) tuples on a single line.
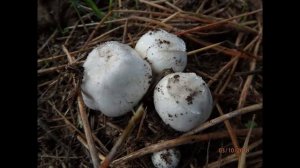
[(95, 9), (65, 31), (250, 124), (110, 5)]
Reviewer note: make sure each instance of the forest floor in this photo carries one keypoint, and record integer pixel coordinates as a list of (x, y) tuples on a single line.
[(224, 45)]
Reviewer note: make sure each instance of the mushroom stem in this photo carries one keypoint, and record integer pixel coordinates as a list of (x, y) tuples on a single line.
[(135, 119)]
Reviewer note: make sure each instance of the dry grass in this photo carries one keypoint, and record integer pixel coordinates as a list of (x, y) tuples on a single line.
[(223, 40)]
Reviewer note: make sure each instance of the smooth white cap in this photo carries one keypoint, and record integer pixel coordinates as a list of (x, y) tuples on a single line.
[(162, 50), (115, 79), (168, 158), (183, 100)]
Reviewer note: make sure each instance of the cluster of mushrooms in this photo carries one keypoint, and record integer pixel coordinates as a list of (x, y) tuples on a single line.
[(116, 77)]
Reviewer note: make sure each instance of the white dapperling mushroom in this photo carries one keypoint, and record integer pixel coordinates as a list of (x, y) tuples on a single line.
[(183, 100), (162, 50), (115, 79), (168, 158)]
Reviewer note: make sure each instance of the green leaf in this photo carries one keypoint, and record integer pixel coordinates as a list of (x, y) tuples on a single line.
[(110, 5), (94, 7)]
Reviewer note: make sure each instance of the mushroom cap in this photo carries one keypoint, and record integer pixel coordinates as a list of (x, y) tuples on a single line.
[(162, 50), (115, 79), (183, 100), (168, 158)]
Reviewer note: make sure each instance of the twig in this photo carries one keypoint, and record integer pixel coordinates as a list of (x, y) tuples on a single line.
[(46, 43), (51, 82), (141, 124), (152, 21), (220, 10), (121, 20), (246, 23), (96, 28), (156, 6), (221, 90), (229, 77), (204, 48), (71, 60), (169, 27), (222, 70), (248, 73), (131, 43), (81, 25), (53, 58), (120, 3), (230, 130), (94, 41), (232, 157), (215, 6), (242, 159), (222, 49), (45, 127), (73, 128), (173, 6), (250, 45), (83, 142), (221, 80), (79, 16), (70, 35), (170, 17), (201, 6), (84, 118), (125, 31), (218, 23), (248, 82), (60, 157), (185, 14), (237, 42), (224, 117), (140, 12), (87, 131), (258, 165), (135, 119), (181, 141), (192, 16), (207, 153), (54, 69), (255, 161), (201, 73), (105, 123)]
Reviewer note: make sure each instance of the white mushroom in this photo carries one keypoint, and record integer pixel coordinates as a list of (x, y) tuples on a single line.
[(168, 158), (115, 79), (183, 100), (162, 50)]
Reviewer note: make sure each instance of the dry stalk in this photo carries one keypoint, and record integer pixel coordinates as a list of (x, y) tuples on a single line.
[(131, 124), (181, 141), (84, 118), (224, 117)]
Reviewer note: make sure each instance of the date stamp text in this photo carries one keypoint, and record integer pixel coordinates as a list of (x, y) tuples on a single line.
[(233, 150)]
